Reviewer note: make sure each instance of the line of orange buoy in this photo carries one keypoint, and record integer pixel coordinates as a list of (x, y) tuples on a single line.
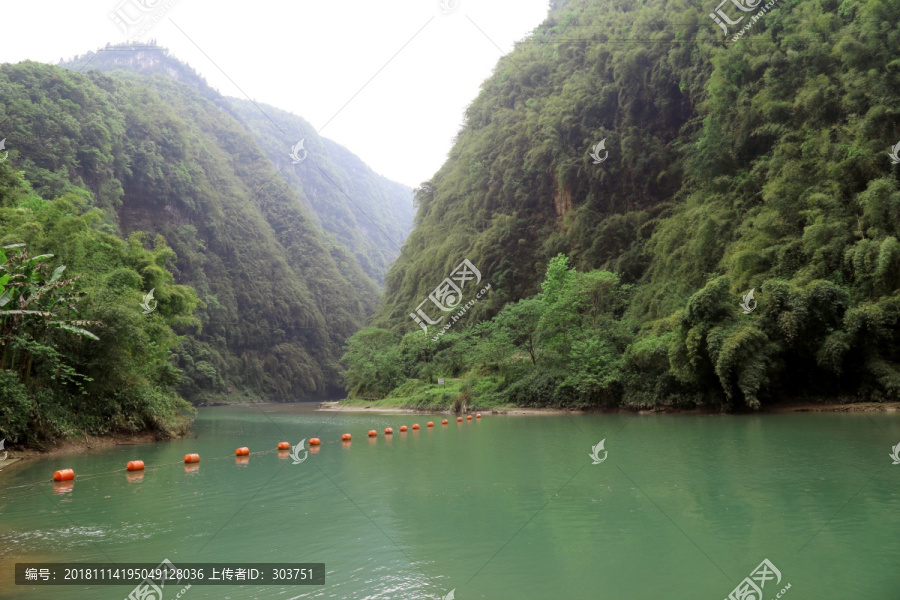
[(244, 451)]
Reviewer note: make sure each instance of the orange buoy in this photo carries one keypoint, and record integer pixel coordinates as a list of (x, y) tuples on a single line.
[(478, 415), (284, 445), (415, 425), (64, 475), (191, 458), (314, 441), (468, 417), (345, 437), (372, 433), (388, 430), (135, 465), (459, 419), (403, 428), (430, 423), (245, 451), (444, 422)]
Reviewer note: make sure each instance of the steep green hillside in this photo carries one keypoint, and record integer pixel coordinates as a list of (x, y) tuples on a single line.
[(761, 163), (369, 214), (366, 212), (79, 353), (279, 297)]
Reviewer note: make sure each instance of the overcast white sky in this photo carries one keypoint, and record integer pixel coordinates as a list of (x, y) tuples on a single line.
[(314, 59)]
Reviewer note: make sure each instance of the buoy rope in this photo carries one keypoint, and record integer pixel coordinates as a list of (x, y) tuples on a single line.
[(170, 464)]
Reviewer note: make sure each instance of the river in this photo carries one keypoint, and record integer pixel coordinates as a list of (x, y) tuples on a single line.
[(503, 507)]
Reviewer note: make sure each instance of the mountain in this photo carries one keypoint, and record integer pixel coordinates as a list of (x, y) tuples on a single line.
[(757, 161), (279, 296), (366, 212)]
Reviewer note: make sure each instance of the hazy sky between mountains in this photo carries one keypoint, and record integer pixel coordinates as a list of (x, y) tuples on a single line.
[(310, 57)]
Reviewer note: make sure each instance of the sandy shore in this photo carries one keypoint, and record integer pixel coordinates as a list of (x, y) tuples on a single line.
[(864, 407), (335, 406), (889, 407), (81, 445)]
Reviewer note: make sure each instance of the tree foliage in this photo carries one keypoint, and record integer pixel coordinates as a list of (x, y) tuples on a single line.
[(77, 352), (278, 296), (758, 164)]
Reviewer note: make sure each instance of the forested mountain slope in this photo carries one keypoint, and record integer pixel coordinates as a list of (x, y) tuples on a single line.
[(279, 296), (368, 213), (734, 164)]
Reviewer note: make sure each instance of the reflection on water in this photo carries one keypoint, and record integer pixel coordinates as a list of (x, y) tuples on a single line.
[(498, 507)]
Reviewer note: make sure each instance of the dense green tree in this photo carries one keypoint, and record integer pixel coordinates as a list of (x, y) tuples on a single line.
[(757, 164), (77, 351), (279, 297)]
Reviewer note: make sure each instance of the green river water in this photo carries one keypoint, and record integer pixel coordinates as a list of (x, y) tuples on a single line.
[(505, 507)]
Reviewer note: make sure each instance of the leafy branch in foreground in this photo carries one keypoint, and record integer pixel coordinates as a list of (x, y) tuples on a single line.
[(33, 303)]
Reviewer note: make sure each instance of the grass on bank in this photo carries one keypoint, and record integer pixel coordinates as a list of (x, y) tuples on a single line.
[(453, 395)]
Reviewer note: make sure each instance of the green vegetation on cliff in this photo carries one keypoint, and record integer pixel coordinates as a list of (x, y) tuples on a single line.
[(77, 352), (760, 164), (278, 296), (367, 213)]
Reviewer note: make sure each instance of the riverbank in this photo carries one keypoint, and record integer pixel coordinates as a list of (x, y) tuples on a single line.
[(403, 405), (87, 444), (365, 406), (80, 445)]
